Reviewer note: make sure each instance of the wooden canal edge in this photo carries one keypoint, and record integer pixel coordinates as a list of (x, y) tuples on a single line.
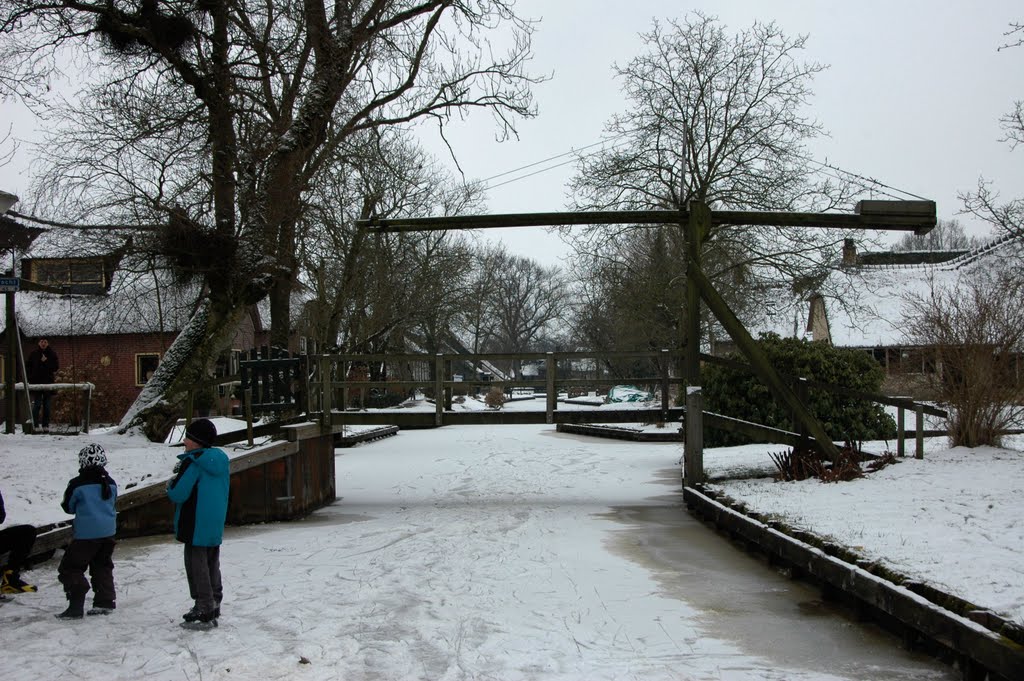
[(978, 642), (669, 434), (281, 480)]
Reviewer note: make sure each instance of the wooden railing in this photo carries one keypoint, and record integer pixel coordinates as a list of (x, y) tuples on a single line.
[(336, 389)]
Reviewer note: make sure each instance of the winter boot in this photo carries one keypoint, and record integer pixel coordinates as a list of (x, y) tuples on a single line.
[(75, 611), (197, 615), (12, 583)]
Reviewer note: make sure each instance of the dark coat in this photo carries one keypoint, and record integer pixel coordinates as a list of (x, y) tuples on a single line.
[(40, 371)]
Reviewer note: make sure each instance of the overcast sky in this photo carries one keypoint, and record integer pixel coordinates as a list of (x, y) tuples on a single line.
[(912, 98)]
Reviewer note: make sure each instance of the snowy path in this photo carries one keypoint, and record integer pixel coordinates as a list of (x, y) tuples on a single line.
[(471, 553)]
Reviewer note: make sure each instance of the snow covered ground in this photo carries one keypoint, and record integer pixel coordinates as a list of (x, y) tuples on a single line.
[(492, 552)]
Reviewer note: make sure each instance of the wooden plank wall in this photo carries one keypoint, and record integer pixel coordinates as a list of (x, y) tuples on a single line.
[(283, 480)]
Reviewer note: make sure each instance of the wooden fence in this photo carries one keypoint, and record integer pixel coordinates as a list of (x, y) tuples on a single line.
[(340, 389)]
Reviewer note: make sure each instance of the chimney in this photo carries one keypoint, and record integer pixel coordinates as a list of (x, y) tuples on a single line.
[(849, 253)]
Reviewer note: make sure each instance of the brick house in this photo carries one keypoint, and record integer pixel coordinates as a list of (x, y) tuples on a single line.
[(113, 320)]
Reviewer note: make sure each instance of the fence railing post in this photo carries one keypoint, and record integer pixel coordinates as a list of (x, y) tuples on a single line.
[(326, 388), (901, 432), (919, 450), (448, 390), (552, 396), (439, 389), (664, 385), (247, 397)]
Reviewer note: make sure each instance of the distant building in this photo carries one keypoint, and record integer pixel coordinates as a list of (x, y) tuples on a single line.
[(865, 308), (113, 321)]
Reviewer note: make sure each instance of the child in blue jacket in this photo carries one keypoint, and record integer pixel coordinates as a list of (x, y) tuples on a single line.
[(90, 497), (199, 491)]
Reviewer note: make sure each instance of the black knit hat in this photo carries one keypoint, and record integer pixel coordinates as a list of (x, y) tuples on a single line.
[(202, 432)]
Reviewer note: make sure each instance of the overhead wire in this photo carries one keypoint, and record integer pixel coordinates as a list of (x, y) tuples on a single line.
[(867, 183)]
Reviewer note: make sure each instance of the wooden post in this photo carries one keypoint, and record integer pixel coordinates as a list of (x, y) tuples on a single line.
[(439, 389), (448, 390), (552, 396), (88, 409), (24, 376), (919, 452), (800, 389), (326, 390), (901, 432), (693, 451), (697, 225), (9, 366), (664, 385), (247, 406), (762, 365)]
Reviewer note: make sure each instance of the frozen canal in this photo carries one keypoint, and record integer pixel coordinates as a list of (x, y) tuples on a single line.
[(509, 552)]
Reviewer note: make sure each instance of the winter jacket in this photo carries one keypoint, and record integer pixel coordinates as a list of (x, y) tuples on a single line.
[(3, 511), (200, 494), (39, 371), (90, 497)]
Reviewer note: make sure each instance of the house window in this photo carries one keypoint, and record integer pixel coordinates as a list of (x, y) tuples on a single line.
[(61, 272), (145, 364), (228, 364)]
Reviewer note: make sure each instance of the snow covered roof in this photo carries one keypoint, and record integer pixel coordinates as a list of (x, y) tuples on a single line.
[(866, 305), (139, 299)]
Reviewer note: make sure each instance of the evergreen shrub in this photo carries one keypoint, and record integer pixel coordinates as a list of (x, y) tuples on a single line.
[(742, 395)]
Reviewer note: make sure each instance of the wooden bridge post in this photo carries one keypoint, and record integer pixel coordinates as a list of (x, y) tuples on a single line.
[(326, 388), (552, 396), (697, 225), (919, 451), (693, 450), (901, 432), (439, 389), (449, 389), (664, 385), (247, 397)]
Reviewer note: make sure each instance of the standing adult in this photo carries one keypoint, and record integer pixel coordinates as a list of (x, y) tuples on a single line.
[(41, 366), (199, 491)]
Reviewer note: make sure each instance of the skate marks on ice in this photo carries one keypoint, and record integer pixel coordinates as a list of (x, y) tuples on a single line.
[(465, 553)]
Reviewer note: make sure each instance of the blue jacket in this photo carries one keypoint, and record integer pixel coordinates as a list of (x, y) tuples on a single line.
[(90, 497), (200, 494)]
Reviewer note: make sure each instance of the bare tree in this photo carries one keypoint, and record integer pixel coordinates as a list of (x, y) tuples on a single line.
[(368, 286), (947, 235), (271, 90), (1005, 216), (976, 327), (526, 300), (715, 117)]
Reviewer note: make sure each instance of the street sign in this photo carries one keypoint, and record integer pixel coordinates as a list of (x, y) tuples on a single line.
[(9, 284)]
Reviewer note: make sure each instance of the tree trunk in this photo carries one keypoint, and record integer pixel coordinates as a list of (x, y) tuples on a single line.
[(185, 363)]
